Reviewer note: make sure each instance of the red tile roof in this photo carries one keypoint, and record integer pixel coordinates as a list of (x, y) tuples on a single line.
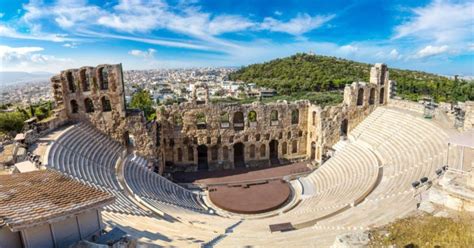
[(36, 197)]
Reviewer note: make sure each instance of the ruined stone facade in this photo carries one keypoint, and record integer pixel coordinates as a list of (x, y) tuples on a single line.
[(200, 135)]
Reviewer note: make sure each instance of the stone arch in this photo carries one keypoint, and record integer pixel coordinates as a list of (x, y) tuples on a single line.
[(106, 107), (190, 153), (202, 158), (360, 97), (294, 146), (372, 96), (238, 121), (313, 150), (274, 115), (70, 82), (74, 106), (201, 120), (263, 150), (103, 78), (179, 153), (224, 119), (284, 148), (225, 153), (85, 80), (252, 151), (178, 120), (274, 152), (252, 118), (295, 116), (239, 158), (257, 137), (214, 153), (89, 105), (314, 118), (382, 95), (344, 127)]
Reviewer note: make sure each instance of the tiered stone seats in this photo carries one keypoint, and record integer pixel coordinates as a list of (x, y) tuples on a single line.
[(157, 190), (86, 154)]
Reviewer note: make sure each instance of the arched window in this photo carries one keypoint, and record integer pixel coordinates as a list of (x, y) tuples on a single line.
[(295, 116), (214, 153), (360, 97), (190, 153), (252, 151), (106, 104), (257, 137), (288, 135), (263, 150), (238, 120), (201, 120), (74, 106), (294, 146), (372, 96), (284, 148), (70, 82), (314, 118), (252, 118), (224, 119), (103, 78), (179, 151), (85, 80), (225, 153), (89, 105), (274, 115), (381, 97)]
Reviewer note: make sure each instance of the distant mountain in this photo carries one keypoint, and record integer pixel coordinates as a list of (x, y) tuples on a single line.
[(307, 72), (8, 78)]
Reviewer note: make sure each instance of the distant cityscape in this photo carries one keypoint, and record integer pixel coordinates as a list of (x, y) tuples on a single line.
[(164, 85)]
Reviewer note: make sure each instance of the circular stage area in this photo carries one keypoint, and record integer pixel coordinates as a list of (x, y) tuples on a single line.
[(251, 198)]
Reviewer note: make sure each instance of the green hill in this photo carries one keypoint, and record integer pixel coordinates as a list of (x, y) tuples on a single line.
[(303, 72)]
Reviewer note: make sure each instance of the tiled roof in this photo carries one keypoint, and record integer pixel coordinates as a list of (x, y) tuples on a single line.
[(35, 197)]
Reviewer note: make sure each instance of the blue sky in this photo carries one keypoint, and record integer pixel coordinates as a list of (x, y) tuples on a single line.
[(430, 35)]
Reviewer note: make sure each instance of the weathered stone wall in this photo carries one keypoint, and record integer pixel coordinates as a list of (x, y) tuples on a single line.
[(229, 124)]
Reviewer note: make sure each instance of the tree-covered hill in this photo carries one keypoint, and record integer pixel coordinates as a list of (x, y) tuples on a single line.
[(304, 72)]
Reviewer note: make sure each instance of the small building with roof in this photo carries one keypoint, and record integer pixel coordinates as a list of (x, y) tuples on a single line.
[(48, 209)]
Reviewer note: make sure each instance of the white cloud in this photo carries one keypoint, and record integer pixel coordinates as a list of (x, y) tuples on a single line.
[(70, 45), (147, 54), (28, 59), (440, 22), (430, 51), (2, 15), (278, 13), (349, 49), (11, 33), (299, 25)]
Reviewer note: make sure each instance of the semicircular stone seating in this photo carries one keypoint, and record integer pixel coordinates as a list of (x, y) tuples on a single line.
[(86, 154)]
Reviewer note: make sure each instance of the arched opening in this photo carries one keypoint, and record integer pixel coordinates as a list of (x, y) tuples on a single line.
[(252, 118), (178, 120), (313, 150), (263, 150), (106, 104), (295, 116), (103, 78), (294, 146), (284, 148), (70, 82), (372, 96), (274, 117), (274, 152), (314, 118), (74, 106), (224, 120), (214, 153), (85, 80), (238, 121), (126, 139), (179, 152), (252, 151), (344, 127), (190, 153), (202, 158), (201, 121), (360, 97), (381, 97), (239, 160), (225, 153), (89, 105), (257, 137)]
